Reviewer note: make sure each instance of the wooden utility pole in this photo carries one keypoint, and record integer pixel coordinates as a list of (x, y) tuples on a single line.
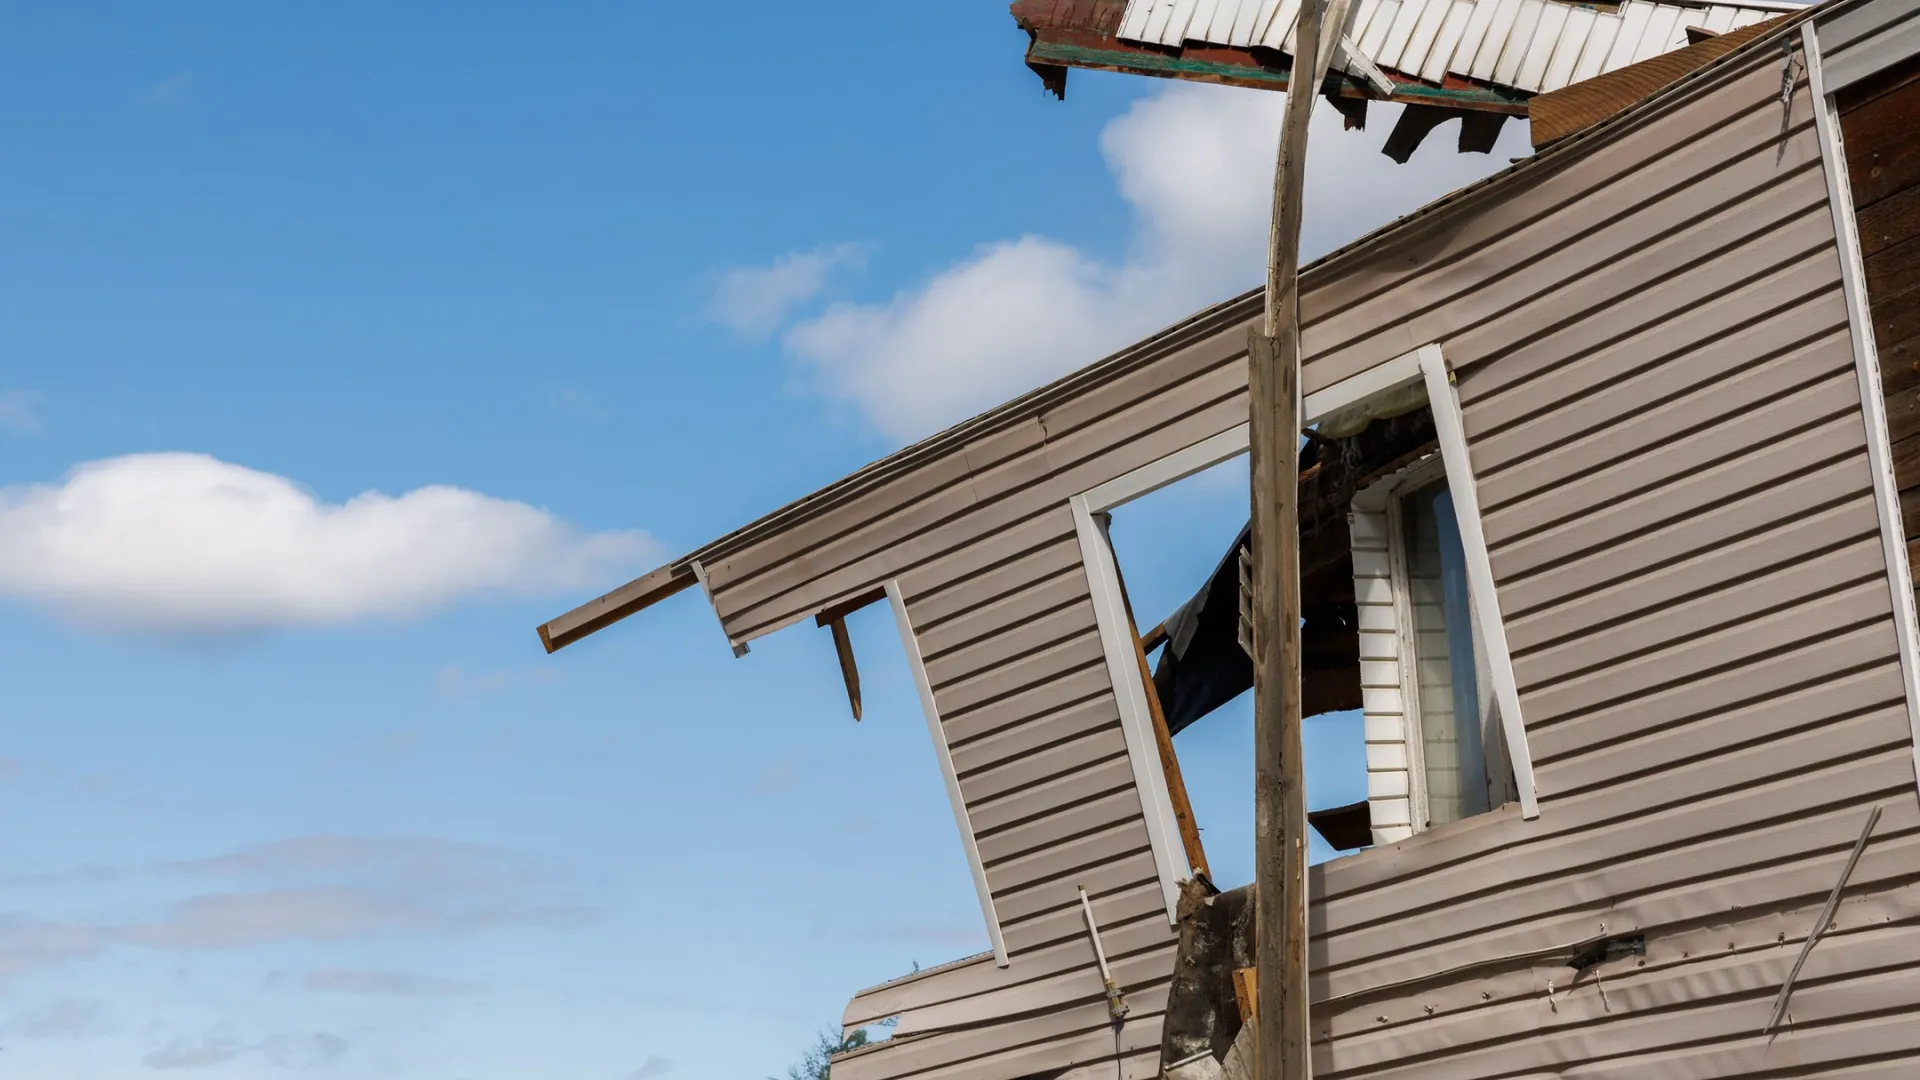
[(1280, 810)]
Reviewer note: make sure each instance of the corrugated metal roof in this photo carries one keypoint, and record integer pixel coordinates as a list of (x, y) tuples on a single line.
[(1529, 45)]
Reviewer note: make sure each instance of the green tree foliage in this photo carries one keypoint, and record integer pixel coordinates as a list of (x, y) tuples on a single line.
[(816, 1063)]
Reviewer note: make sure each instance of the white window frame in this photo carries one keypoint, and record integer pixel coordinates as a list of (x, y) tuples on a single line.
[(1866, 366), (1423, 365), (1390, 694)]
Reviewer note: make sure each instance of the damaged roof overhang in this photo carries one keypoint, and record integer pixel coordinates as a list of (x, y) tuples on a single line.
[(657, 585), (1085, 34)]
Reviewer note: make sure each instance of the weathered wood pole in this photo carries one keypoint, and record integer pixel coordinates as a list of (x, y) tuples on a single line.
[(1280, 812)]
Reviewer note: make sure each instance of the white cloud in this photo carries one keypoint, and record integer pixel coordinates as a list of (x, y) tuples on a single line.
[(1195, 164), (383, 984), (754, 300), (69, 1018), (20, 411), (185, 542), (654, 1066)]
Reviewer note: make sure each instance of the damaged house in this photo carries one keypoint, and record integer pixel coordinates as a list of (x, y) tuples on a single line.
[(1612, 465)]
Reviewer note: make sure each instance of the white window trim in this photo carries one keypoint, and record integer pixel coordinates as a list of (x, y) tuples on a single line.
[(1425, 364), (1396, 770), (1866, 366), (918, 666)]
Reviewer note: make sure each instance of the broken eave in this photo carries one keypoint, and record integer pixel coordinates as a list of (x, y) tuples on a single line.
[(1051, 51), (1066, 34)]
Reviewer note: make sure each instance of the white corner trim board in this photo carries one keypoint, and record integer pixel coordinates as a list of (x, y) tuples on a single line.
[(1423, 365), (1866, 366), (1452, 434), (700, 575), (911, 642), (1136, 722)]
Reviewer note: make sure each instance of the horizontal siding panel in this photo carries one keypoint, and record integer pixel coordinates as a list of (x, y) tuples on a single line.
[(1825, 651), (1456, 922), (1550, 214), (1031, 670), (1075, 988), (1107, 810), (1769, 272), (944, 583), (1877, 687), (1849, 607), (1075, 721), (1053, 1040), (1699, 534), (1651, 414), (1792, 581), (987, 655), (971, 588), (1008, 778), (1543, 505), (1563, 537), (1015, 876), (1139, 901), (1072, 684), (1054, 795), (1681, 807), (1703, 570), (1064, 895)]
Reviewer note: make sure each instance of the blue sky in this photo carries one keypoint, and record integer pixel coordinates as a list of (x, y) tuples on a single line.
[(341, 346)]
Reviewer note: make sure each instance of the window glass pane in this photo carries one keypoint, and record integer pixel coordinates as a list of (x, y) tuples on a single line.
[(1444, 668)]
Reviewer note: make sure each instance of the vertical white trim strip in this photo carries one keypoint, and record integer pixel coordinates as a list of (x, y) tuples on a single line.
[(1136, 723), (1866, 365), (1452, 433), (911, 643)]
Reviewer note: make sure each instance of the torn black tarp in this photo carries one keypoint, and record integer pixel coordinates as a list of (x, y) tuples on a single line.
[(1203, 666)]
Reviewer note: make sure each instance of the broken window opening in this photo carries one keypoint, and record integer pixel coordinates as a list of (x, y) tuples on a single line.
[(1399, 737), (1166, 540)]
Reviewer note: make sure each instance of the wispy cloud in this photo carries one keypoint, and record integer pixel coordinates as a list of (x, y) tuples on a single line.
[(68, 1018), (20, 411), (171, 90), (286, 1051), (186, 543), (193, 1054), (1195, 165), (320, 889), (753, 301), (398, 984), (655, 1065)]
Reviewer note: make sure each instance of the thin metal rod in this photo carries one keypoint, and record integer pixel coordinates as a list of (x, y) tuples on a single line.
[(1820, 927)]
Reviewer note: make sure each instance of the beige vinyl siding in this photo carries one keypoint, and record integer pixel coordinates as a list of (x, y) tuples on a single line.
[(1655, 378)]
